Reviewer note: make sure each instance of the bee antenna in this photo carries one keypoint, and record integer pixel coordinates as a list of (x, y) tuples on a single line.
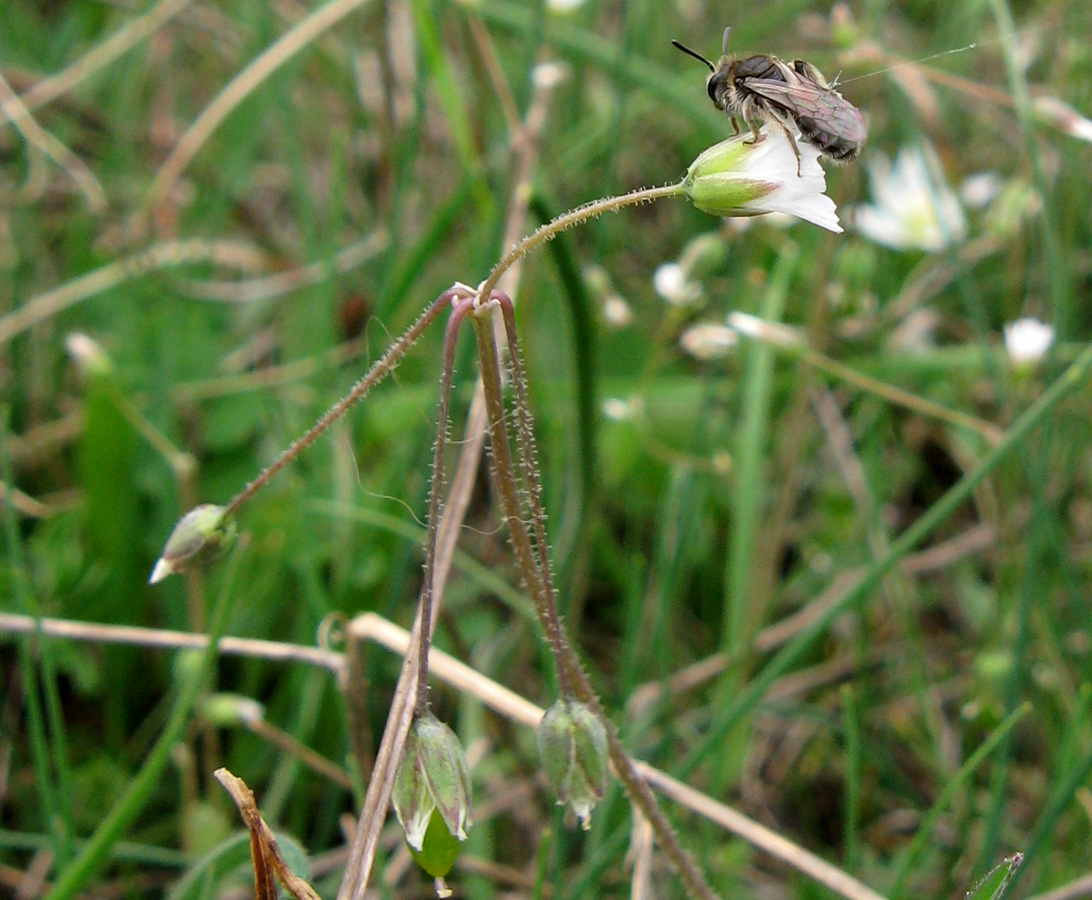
[(686, 49), (724, 41)]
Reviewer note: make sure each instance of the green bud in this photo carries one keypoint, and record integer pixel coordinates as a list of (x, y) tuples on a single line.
[(724, 194), (572, 744), (92, 361), (432, 776), (200, 535), (715, 184), (223, 710)]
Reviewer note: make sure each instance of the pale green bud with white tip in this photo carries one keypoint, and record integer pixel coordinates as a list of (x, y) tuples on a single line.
[(572, 744), (200, 535), (432, 778)]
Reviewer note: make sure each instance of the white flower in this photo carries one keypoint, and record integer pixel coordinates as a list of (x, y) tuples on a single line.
[(981, 189), (564, 6), (708, 341), (913, 207), (618, 410), (739, 178), (674, 285), (1027, 339), (768, 332), (616, 311), (548, 75)]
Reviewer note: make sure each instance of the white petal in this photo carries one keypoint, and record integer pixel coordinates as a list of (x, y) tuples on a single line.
[(1027, 339)]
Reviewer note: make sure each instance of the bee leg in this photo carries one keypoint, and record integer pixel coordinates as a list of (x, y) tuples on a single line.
[(757, 135), (735, 123), (795, 149)]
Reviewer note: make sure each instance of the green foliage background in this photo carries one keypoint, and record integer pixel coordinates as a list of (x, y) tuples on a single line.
[(665, 553)]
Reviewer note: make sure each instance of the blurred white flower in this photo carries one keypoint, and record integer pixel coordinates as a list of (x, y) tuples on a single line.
[(1027, 339), (548, 75), (618, 410), (739, 178), (564, 6), (616, 312), (768, 332), (981, 189), (89, 357), (615, 309), (913, 206), (708, 341), (673, 284), (1063, 117)]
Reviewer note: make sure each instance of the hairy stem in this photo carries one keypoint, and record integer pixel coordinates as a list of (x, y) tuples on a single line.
[(382, 367), (574, 217), (505, 478), (462, 306)]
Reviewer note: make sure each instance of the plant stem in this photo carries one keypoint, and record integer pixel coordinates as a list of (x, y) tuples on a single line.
[(451, 333), (568, 220), (525, 435), (504, 475), (382, 367)]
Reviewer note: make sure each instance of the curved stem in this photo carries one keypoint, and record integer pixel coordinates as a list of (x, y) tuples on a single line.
[(382, 367), (568, 220)]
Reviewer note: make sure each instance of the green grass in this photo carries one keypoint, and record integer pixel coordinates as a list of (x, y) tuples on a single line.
[(929, 722)]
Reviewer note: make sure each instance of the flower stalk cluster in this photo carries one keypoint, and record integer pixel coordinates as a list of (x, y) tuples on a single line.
[(431, 791)]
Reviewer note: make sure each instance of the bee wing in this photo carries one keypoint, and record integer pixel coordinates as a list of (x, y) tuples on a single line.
[(804, 98)]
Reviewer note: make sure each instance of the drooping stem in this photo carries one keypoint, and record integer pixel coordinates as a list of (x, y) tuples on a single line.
[(382, 368), (525, 436), (569, 669), (463, 305), (508, 488)]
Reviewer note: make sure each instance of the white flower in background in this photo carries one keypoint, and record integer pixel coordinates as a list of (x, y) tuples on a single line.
[(1027, 339), (981, 189), (768, 332), (739, 178), (616, 312), (564, 6), (708, 341), (673, 284), (618, 410), (548, 75), (913, 208)]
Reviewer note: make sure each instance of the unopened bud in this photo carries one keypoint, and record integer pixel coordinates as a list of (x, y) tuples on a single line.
[(223, 710), (432, 777), (200, 535), (716, 185), (572, 744)]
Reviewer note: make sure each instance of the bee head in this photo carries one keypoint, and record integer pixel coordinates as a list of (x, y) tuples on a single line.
[(719, 84)]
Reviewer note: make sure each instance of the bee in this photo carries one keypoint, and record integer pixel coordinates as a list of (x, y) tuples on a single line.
[(791, 96)]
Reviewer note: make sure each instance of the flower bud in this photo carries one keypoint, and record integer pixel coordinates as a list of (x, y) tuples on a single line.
[(432, 777), (200, 535), (714, 182), (223, 710), (572, 744), (743, 176)]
